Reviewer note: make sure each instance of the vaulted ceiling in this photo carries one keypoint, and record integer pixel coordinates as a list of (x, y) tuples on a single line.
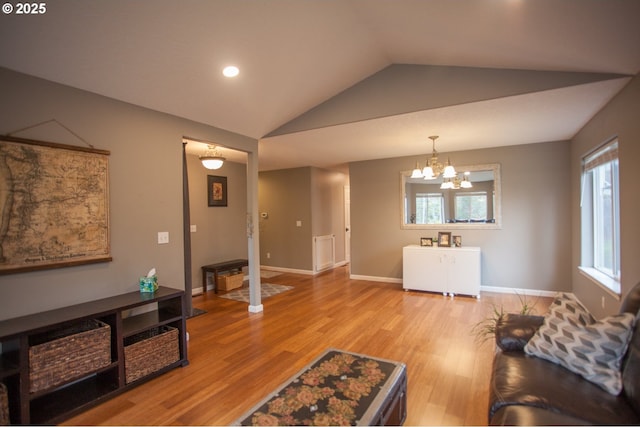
[(325, 82)]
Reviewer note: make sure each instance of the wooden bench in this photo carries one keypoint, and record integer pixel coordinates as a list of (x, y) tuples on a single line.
[(220, 267)]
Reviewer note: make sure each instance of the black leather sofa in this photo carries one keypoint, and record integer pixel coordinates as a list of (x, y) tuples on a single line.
[(527, 390)]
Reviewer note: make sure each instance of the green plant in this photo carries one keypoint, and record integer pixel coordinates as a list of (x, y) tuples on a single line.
[(485, 329)]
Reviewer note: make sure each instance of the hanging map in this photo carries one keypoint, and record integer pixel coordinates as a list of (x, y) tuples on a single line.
[(54, 205)]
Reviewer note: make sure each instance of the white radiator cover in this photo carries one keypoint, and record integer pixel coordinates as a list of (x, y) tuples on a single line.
[(324, 252)]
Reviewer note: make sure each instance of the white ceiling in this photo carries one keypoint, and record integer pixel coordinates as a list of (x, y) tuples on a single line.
[(294, 55)]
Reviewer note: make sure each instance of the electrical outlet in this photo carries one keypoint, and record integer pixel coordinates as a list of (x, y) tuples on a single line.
[(163, 237), (603, 302), (268, 255)]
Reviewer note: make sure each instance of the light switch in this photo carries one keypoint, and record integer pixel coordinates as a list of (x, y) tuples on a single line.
[(163, 237), (193, 228), (298, 223)]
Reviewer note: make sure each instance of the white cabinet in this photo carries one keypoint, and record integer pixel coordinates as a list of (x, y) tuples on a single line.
[(448, 270)]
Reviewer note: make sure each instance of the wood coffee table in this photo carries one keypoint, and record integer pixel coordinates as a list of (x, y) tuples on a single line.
[(337, 388)]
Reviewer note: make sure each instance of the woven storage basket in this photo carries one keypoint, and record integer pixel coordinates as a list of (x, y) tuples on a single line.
[(150, 351), (4, 405), (227, 282), (68, 353)]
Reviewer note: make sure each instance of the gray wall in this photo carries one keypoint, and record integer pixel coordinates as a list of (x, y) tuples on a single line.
[(286, 196), (531, 251), (145, 188), (621, 118), (311, 195), (221, 232)]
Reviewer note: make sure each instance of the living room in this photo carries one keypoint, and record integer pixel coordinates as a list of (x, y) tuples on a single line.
[(538, 248)]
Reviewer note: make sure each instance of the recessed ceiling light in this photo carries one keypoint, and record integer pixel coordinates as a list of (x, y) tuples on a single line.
[(231, 71)]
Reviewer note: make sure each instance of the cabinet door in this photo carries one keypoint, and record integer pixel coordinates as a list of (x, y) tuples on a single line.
[(464, 272), (424, 269)]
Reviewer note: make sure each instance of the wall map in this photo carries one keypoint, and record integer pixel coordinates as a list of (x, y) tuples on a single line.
[(54, 205)]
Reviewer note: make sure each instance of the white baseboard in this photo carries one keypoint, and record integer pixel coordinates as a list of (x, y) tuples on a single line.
[(496, 289), (297, 271), (375, 278), (519, 291), (287, 270)]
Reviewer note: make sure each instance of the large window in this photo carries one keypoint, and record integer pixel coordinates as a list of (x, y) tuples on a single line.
[(600, 216), (429, 208), (471, 206)]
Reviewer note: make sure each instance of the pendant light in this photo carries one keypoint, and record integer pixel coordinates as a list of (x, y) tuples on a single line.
[(212, 159)]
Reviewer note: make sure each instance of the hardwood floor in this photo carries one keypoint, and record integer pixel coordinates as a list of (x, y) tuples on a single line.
[(237, 358)]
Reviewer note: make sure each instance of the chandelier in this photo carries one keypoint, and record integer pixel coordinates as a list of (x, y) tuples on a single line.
[(456, 183), (433, 168), (212, 159)]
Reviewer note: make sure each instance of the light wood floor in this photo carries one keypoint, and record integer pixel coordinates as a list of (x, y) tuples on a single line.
[(237, 358)]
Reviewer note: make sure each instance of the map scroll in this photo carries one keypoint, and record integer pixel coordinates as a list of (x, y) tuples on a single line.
[(54, 205)]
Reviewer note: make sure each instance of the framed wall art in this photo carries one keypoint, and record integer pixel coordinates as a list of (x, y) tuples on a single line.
[(54, 205), (217, 190)]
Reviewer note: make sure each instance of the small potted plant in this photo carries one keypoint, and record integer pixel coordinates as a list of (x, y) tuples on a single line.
[(485, 329)]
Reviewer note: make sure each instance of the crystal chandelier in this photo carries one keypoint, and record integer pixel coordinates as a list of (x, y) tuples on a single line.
[(433, 168), (212, 159)]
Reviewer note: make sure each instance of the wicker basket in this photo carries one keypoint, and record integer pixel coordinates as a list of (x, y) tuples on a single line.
[(68, 353), (227, 282), (4, 406), (149, 351)]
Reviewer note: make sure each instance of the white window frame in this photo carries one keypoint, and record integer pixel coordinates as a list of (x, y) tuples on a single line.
[(591, 225), (471, 194), (428, 196)]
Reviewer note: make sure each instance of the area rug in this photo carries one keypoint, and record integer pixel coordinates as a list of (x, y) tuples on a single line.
[(267, 290)]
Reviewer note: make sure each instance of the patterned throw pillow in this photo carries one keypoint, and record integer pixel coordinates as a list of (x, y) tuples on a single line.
[(570, 336)]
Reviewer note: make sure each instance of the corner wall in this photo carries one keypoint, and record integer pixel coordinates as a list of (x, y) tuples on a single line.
[(285, 196), (619, 118), (145, 188), (532, 250), (221, 232), (313, 196)]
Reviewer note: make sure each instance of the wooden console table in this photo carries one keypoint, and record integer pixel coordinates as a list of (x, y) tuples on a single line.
[(234, 265)]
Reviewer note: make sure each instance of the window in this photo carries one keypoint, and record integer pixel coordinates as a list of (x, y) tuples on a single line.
[(429, 208), (600, 228), (471, 206)]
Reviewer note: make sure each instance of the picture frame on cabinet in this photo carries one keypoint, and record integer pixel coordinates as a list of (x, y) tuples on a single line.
[(457, 241), (426, 241), (444, 238)]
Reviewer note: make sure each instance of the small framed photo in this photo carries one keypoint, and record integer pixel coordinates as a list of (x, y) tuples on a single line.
[(444, 238), (457, 241), (426, 241), (217, 190)]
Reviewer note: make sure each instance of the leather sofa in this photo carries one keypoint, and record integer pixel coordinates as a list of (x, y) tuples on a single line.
[(528, 390)]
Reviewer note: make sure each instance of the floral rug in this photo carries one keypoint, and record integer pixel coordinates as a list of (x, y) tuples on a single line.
[(267, 290), (337, 389)]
